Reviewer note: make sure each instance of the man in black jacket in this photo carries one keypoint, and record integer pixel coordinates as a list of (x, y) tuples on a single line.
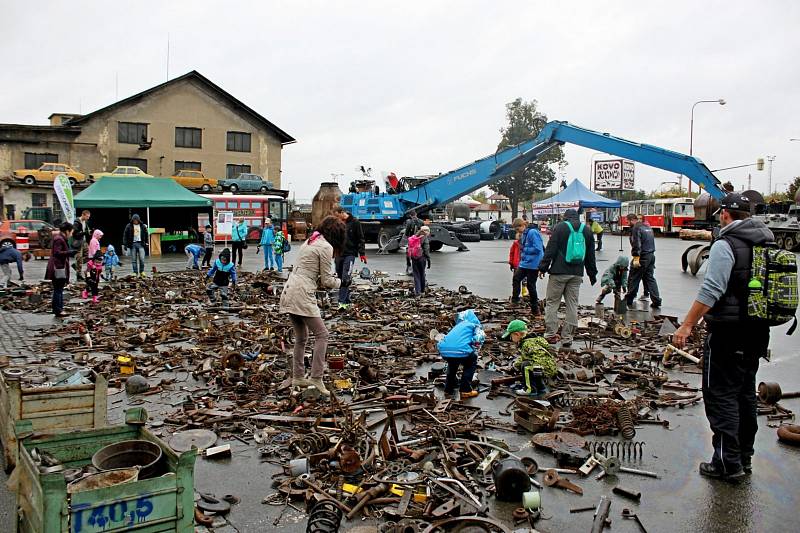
[(566, 277), (643, 264), (734, 342), (411, 227), (354, 246), (136, 239), (80, 240)]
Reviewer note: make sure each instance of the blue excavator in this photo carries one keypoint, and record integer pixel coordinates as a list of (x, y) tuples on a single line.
[(383, 214)]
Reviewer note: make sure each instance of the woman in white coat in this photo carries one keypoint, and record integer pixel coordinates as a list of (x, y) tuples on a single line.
[(312, 269)]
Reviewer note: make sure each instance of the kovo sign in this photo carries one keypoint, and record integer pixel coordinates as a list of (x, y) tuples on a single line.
[(614, 175)]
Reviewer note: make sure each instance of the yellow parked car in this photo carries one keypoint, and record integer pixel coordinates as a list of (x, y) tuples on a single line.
[(47, 174), (121, 172), (195, 179)]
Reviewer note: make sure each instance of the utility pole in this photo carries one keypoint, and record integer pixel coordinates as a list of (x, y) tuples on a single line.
[(770, 159), (749, 180)]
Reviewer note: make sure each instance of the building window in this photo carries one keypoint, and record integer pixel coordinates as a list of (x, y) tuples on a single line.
[(231, 171), (39, 199), (188, 137), (132, 133), (34, 161), (187, 165), (238, 142), (58, 213), (132, 162)]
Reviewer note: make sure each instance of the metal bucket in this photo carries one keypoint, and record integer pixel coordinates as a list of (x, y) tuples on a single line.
[(127, 454)]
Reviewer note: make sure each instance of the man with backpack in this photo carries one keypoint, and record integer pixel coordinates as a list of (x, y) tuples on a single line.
[(569, 252), (738, 314), (643, 264)]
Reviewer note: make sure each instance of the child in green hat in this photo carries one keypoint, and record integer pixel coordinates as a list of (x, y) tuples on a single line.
[(535, 359)]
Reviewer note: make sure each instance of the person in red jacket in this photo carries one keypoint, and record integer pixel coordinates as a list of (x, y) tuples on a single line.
[(515, 251)]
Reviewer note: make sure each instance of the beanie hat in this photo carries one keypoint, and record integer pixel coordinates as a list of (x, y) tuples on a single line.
[(515, 326)]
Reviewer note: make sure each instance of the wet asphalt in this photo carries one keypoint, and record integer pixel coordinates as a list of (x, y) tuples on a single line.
[(680, 500)]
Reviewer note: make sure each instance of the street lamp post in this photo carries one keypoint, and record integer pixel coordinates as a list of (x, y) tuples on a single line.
[(720, 101), (770, 159)]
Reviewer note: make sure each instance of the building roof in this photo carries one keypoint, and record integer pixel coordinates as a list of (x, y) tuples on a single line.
[(115, 192), (284, 137), (497, 196)]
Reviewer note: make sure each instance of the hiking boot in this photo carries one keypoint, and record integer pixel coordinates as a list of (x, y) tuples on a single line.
[(747, 466), (301, 382), (468, 394), (709, 470), (320, 386)]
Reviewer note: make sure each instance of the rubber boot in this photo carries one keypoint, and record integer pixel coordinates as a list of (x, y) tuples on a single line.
[(85, 294), (320, 386), (95, 299)]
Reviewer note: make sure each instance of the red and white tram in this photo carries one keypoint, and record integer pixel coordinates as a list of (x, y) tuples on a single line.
[(666, 215)]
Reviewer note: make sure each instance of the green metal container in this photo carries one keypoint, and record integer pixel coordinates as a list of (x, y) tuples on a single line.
[(164, 503)]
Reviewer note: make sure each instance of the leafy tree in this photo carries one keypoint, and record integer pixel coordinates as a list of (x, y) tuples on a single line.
[(793, 187), (525, 121), (480, 196)]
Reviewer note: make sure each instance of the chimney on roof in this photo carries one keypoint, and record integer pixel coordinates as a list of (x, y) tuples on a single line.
[(59, 119)]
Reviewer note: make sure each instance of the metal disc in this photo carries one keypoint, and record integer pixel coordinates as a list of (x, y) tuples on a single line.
[(183, 441), (553, 440)]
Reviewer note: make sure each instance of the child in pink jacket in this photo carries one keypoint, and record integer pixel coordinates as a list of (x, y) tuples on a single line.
[(94, 244)]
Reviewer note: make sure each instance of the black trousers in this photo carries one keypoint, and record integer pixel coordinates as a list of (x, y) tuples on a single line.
[(646, 274), (732, 351), (237, 246), (470, 365), (207, 257), (530, 275)]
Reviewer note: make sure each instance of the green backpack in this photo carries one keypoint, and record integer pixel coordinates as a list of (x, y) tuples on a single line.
[(576, 244), (773, 286)]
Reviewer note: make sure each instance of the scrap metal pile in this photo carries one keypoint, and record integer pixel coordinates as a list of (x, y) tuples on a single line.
[(386, 445)]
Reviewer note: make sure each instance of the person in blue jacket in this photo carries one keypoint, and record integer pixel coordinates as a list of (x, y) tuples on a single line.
[(223, 275), (110, 260), (460, 348), (267, 239), (531, 252), (193, 253)]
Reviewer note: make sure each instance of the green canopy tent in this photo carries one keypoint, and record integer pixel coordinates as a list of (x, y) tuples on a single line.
[(113, 200)]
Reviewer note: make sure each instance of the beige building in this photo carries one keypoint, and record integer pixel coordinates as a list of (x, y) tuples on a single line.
[(185, 123)]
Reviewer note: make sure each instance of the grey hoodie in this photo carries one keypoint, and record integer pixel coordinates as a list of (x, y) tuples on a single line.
[(721, 259)]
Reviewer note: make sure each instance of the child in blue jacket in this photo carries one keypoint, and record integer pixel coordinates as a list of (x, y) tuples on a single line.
[(460, 349), (193, 253), (110, 260), (531, 252)]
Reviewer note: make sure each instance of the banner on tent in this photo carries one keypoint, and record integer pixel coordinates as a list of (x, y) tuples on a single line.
[(614, 175), (556, 208)]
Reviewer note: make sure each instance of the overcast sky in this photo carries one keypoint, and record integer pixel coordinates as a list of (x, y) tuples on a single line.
[(420, 87)]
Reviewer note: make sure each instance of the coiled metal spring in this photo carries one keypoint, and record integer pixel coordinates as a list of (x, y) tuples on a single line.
[(625, 422), (325, 517), (626, 450), (311, 443)]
